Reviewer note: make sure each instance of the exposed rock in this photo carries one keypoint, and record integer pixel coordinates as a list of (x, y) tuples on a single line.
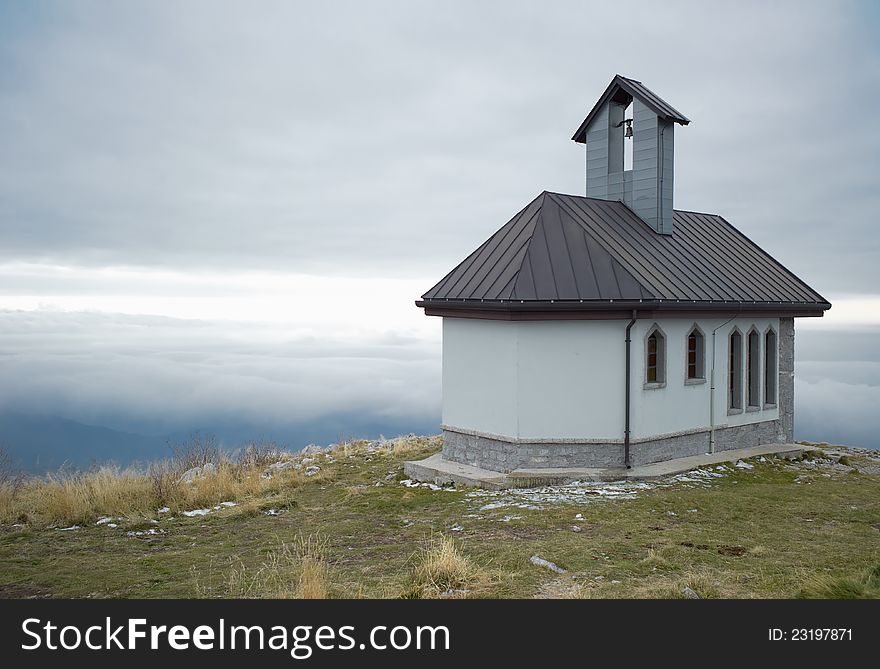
[(690, 593), (541, 562), (311, 470), (313, 449), (276, 467), (190, 475)]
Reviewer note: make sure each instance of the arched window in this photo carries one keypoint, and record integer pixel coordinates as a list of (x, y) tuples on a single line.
[(734, 372), (770, 373), (655, 359), (753, 370), (696, 358)]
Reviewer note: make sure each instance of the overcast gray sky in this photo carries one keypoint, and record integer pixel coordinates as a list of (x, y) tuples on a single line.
[(211, 207)]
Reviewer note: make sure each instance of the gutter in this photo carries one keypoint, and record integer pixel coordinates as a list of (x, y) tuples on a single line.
[(627, 384), (616, 305)]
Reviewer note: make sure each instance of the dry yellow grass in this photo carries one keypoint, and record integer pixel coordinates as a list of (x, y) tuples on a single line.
[(290, 571), (79, 498), (314, 580), (441, 570), (654, 559)]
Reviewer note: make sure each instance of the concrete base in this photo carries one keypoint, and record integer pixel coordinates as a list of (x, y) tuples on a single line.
[(436, 469)]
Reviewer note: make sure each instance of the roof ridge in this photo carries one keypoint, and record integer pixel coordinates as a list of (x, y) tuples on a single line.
[(473, 254), (639, 281), (528, 246)]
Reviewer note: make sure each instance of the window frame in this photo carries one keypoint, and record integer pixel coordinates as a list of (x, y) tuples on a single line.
[(734, 379), (659, 358), (771, 376), (754, 368), (699, 356)]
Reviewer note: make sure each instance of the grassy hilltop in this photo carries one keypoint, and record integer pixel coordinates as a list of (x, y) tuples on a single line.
[(346, 523)]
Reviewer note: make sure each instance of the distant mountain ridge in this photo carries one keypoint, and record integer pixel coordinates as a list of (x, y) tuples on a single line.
[(40, 443)]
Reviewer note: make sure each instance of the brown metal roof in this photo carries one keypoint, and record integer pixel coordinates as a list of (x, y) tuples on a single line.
[(624, 89), (562, 251)]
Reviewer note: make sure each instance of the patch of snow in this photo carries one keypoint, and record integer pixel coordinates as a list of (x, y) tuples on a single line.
[(692, 510), (541, 562), (456, 528), (409, 483), (579, 516), (104, 520), (164, 509), (142, 533), (492, 505), (586, 492), (196, 512), (72, 528), (272, 512), (228, 503), (741, 464), (507, 519)]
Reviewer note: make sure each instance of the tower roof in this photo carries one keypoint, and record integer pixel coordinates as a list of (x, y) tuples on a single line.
[(624, 90)]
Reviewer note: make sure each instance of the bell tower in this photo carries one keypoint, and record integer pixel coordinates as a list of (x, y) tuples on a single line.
[(629, 112)]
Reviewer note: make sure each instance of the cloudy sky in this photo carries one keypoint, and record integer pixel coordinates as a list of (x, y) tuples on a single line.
[(223, 211)]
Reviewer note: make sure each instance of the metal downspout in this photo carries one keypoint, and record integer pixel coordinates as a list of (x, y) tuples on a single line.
[(626, 460), (712, 390)]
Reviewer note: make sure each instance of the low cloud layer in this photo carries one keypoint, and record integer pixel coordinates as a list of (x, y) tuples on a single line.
[(157, 375)]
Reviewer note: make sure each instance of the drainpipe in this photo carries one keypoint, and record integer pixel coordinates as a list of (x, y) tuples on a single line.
[(627, 384), (712, 389)]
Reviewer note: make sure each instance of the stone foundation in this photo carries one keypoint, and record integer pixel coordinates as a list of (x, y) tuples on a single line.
[(504, 456)]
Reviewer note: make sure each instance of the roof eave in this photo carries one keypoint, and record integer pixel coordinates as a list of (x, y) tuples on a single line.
[(549, 307)]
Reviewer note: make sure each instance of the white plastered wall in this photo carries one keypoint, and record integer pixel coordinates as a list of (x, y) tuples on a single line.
[(563, 380), (534, 379), (678, 406)]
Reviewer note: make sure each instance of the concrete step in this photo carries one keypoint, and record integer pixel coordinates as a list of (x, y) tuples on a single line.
[(435, 469)]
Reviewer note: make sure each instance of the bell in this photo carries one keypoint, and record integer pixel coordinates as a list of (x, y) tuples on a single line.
[(628, 133)]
